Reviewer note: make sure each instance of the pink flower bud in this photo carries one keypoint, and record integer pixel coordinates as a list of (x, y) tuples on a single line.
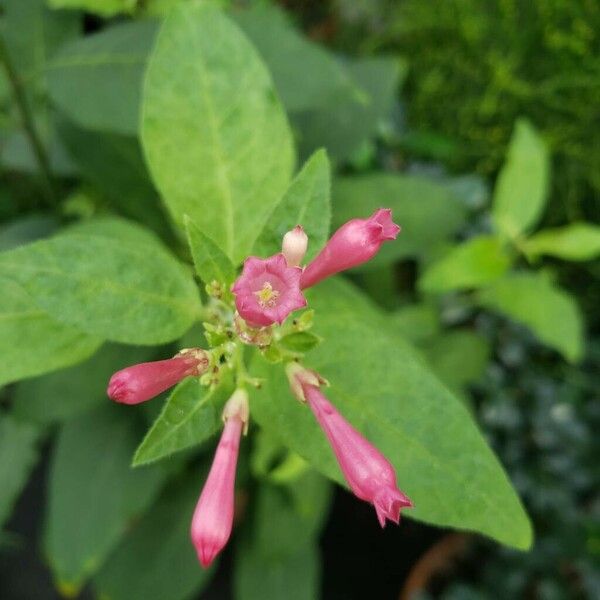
[(354, 243), (267, 291), (213, 517), (141, 382), (294, 245), (368, 473)]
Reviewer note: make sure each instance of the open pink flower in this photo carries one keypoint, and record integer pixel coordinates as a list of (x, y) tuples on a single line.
[(354, 243), (213, 518), (368, 473), (143, 381), (268, 290)]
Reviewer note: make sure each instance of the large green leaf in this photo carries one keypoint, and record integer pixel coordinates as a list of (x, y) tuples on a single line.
[(32, 342), (307, 203), (114, 288), (522, 186), (97, 80), (426, 211), (190, 416), (69, 392), (474, 263), (157, 560), (215, 135), (578, 241), (93, 494), (533, 300), (385, 390), (105, 8), (18, 451), (291, 56)]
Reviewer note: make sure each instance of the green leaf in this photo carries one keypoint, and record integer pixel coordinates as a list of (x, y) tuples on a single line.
[(290, 56), (18, 451), (27, 228), (533, 300), (427, 212), (415, 322), (212, 264), (346, 124), (97, 80), (301, 341), (458, 357), (287, 564), (306, 202), (190, 416), (157, 560), (93, 494), (69, 392), (522, 187), (215, 135), (578, 241), (104, 8), (109, 287), (385, 390), (471, 264), (31, 342)]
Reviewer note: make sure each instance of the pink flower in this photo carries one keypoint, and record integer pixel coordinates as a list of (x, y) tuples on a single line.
[(354, 243), (368, 473), (213, 517), (294, 245), (268, 290), (141, 382)]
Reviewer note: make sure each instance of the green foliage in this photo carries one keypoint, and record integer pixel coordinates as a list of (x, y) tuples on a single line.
[(478, 65), (123, 292), (427, 211), (215, 135), (212, 265), (156, 560), (97, 80), (287, 565), (306, 202), (577, 241), (190, 416), (18, 450), (106, 8), (31, 341), (70, 392), (449, 472), (93, 494), (522, 186), (533, 300), (476, 262)]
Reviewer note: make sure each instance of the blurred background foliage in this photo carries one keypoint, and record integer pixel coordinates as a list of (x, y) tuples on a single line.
[(475, 121)]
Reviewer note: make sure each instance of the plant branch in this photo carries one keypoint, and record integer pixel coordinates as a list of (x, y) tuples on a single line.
[(28, 122)]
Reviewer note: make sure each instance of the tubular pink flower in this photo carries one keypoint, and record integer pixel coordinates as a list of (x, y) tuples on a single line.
[(368, 473), (354, 243), (143, 381), (268, 290), (213, 518), (294, 245)]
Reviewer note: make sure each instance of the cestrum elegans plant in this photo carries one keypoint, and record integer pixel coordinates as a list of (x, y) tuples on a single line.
[(266, 293)]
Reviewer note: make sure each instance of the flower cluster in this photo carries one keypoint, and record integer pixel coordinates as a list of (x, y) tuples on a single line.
[(266, 292)]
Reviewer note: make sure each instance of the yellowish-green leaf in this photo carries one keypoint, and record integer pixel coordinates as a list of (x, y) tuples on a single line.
[(578, 241)]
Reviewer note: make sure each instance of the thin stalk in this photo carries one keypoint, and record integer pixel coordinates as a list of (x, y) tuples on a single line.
[(28, 122)]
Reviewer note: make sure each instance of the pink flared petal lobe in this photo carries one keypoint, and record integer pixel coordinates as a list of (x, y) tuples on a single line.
[(369, 474), (143, 381), (353, 244), (267, 291), (213, 518)]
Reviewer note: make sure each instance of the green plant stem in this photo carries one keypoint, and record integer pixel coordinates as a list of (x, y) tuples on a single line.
[(28, 123)]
